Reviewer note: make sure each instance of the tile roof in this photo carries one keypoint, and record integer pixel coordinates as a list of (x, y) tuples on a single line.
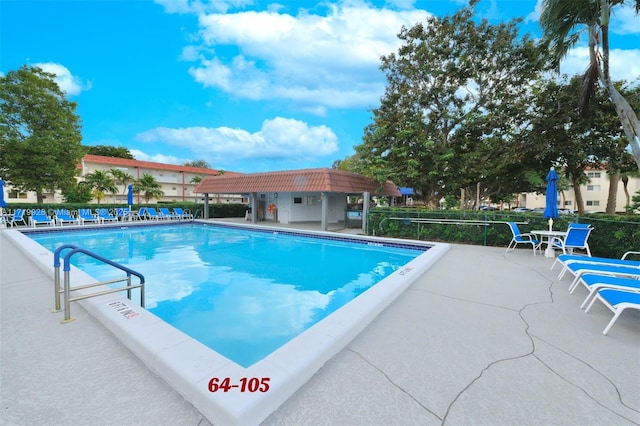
[(307, 180), (115, 161)]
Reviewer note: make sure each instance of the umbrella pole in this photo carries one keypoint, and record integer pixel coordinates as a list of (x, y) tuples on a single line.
[(549, 251)]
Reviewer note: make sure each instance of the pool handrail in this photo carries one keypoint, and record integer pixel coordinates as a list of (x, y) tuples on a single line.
[(67, 287)]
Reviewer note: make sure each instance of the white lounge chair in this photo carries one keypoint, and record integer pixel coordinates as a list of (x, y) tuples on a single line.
[(578, 269), (617, 301), (105, 215), (166, 214), (18, 216), (39, 216), (576, 238), (63, 216), (85, 215), (520, 238), (595, 282), (566, 259), (182, 214)]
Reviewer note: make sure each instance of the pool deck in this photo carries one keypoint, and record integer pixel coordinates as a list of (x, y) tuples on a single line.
[(482, 337)]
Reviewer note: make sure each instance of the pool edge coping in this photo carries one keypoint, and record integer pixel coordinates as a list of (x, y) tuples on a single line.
[(187, 365)]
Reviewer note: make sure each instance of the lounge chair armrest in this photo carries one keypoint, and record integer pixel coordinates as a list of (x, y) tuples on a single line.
[(556, 241), (624, 256)]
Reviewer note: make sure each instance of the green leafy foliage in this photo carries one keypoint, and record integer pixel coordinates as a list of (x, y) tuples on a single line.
[(40, 138), (148, 186), (612, 235), (449, 113), (110, 151)]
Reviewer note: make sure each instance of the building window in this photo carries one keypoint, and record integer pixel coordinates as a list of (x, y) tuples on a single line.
[(297, 200), (568, 203), (593, 203), (593, 187), (593, 175)]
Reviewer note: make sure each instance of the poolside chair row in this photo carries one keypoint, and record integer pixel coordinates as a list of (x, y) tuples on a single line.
[(101, 215), (163, 213), (613, 282)]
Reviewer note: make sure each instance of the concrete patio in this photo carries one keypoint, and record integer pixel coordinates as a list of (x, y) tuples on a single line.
[(483, 337)]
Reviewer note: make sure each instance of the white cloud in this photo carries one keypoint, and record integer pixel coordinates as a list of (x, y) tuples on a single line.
[(69, 84), (534, 16), (624, 20), (156, 158), (280, 138), (623, 64), (310, 59), (196, 6)]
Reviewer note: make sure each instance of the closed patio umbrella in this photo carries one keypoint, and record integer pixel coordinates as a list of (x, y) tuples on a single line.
[(130, 195), (551, 202), (551, 205), (3, 203)]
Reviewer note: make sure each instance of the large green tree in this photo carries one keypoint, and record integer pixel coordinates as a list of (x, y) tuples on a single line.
[(562, 22), (572, 140), (204, 164), (40, 137), (110, 151), (444, 120)]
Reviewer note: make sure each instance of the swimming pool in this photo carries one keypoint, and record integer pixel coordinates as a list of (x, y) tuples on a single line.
[(243, 293), (190, 367)]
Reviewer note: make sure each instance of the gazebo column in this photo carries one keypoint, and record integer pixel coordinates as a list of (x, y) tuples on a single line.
[(254, 207), (324, 211), (365, 209), (206, 205)]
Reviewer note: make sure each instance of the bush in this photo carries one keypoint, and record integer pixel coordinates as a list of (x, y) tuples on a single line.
[(612, 236)]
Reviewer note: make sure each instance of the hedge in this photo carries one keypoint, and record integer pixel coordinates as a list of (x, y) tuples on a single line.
[(612, 236)]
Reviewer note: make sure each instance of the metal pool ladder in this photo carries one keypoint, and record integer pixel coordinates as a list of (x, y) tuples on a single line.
[(66, 290)]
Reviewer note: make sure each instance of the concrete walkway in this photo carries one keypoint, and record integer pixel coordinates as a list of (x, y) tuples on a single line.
[(483, 337)]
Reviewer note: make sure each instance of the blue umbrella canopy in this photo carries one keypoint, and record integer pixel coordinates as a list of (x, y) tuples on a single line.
[(130, 195), (3, 203), (551, 206)]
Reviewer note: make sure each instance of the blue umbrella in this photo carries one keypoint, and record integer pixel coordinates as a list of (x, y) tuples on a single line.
[(3, 203), (130, 195), (551, 206)]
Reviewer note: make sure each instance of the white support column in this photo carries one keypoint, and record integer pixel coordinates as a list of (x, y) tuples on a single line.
[(324, 210), (206, 206), (254, 207), (365, 210)]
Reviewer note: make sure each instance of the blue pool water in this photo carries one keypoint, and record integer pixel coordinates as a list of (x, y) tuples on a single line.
[(243, 293)]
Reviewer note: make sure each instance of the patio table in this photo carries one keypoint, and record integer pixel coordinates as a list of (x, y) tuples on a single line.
[(549, 251)]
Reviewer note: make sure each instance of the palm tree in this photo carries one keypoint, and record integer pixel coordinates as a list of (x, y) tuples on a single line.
[(559, 20), (100, 182), (121, 177), (150, 188)]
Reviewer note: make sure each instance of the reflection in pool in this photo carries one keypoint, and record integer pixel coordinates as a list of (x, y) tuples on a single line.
[(243, 293)]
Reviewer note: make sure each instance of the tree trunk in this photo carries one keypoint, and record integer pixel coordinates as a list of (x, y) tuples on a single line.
[(578, 194), (462, 200), (628, 118), (625, 183), (612, 198)]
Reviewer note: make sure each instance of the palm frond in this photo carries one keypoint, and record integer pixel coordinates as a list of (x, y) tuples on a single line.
[(589, 86)]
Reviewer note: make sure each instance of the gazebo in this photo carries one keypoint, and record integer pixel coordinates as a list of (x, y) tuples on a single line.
[(298, 195)]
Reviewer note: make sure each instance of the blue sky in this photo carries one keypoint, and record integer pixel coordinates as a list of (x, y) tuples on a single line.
[(248, 86)]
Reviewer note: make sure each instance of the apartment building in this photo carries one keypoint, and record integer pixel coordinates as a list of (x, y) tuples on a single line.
[(177, 182), (594, 193)]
